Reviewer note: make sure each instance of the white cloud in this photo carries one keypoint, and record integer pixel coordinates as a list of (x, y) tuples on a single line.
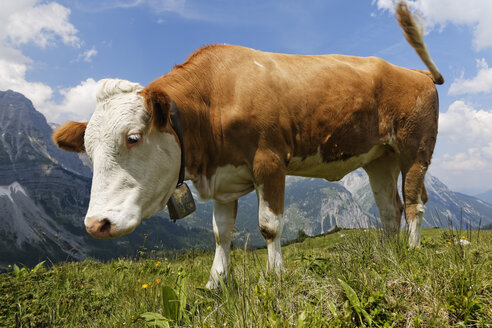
[(465, 148), (42, 24), (471, 160), (487, 150), (13, 67), (482, 83), (159, 6), (475, 13), (466, 171), (87, 55), (78, 103), (465, 125)]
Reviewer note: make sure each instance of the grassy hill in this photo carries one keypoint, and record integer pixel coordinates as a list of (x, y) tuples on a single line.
[(345, 279)]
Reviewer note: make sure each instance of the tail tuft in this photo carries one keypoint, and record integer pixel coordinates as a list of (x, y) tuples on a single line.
[(413, 33)]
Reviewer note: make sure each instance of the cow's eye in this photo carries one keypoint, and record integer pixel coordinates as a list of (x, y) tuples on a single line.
[(133, 140)]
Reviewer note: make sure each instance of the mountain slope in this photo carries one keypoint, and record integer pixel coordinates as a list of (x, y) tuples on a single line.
[(27, 232), (44, 190), (312, 205), (26, 137), (443, 208), (486, 196)]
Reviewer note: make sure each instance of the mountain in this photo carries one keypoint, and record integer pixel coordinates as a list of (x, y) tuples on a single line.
[(316, 206), (486, 196), (24, 138), (28, 232), (44, 194), (448, 207), (445, 207), (38, 183)]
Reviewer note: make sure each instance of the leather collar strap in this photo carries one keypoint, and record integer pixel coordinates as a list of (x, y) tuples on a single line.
[(176, 125)]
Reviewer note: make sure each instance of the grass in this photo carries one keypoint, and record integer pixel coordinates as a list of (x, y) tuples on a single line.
[(346, 279)]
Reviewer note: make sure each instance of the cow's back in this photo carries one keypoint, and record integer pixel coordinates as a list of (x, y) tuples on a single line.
[(332, 106)]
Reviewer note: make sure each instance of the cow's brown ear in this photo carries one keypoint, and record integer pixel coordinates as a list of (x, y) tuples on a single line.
[(159, 104), (70, 136)]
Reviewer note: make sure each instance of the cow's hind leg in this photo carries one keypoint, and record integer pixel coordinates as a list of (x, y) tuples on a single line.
[(224, 219), (415, 198), (383, 176), (416, 153), (269, 174), (271, 225)]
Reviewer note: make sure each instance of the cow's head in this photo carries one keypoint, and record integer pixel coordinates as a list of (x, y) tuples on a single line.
[(135, 155)]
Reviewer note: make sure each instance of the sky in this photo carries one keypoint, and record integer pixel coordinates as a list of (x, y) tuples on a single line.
[(54, 52)]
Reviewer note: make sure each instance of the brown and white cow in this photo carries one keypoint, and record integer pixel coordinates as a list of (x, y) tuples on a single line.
[(249, 118)]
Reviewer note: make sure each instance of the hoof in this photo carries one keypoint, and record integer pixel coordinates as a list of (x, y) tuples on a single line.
[(212, 285)]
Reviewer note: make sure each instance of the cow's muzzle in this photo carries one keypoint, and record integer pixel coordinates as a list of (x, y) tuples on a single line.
[(100, 229)]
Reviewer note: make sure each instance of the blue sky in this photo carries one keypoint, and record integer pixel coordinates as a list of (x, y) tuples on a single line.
[(55, 51)]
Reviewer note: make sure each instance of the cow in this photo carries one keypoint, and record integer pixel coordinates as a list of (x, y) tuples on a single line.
[(250, 118)]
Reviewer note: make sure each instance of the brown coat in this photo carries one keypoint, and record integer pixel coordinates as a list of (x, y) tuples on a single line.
[(241, 106)]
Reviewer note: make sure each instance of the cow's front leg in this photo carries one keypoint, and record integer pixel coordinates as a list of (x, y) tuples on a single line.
[(269, 173), (224, 218)]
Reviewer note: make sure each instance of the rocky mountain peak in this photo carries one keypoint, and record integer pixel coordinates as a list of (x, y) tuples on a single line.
[(25, 138)]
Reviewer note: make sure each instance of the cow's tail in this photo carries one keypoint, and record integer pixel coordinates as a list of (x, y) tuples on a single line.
[(413, 33)]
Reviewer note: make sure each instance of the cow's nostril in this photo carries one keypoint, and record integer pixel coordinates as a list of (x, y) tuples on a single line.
[(105, 226), (99, 229)]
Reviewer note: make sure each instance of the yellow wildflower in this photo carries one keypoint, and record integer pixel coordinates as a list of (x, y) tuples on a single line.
[(157, 264), (145, 286), (158, 281)]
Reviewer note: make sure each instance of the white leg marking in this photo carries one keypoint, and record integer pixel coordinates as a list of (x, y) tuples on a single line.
[(271, 226), (415, 224), (274, 262), (383, 176), (224, 218), (389, 211)]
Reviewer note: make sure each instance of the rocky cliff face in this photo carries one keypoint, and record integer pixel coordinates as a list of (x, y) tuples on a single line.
[(44, 191), (55, 179), (26, 138), (445, 207), (29, 233), (317, 206)]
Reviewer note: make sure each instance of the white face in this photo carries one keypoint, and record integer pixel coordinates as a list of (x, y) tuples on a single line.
[(135, 168)]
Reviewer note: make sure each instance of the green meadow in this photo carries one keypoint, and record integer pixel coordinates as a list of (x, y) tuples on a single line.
[(345, 279)]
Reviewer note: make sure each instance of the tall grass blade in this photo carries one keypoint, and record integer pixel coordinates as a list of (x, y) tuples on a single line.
[(153, 319), (170, 303), (354, 300)]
